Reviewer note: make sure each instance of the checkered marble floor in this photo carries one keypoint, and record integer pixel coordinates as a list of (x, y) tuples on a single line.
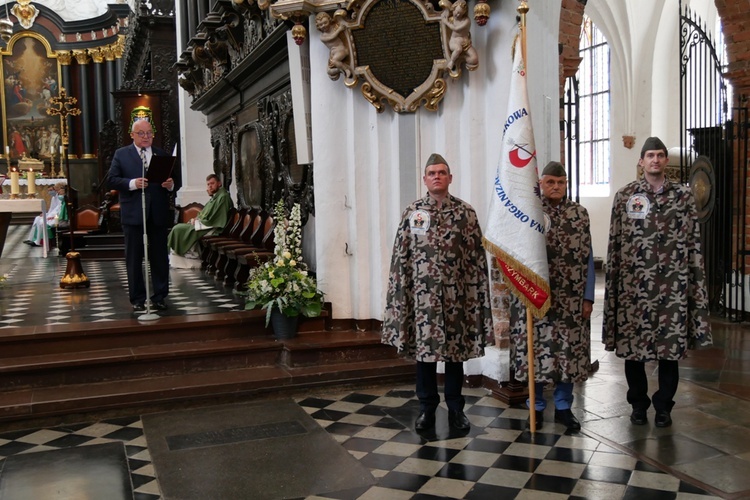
[(127, 430), (497, 458), (21, 304)]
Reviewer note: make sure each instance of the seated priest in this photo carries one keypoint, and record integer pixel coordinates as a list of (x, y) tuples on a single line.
[(57, 212), (184, 237)]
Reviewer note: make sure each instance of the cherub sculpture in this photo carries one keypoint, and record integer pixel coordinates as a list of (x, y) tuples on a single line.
[(330, 34), (459, 42)]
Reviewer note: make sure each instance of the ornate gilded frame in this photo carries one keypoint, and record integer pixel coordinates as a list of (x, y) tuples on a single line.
[(26, 115), (376, 88)]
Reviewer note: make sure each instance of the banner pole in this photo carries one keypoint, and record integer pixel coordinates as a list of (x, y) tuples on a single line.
[(530, 354), (522, 9)]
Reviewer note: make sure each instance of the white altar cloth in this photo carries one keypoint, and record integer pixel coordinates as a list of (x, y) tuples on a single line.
[(28, 205)]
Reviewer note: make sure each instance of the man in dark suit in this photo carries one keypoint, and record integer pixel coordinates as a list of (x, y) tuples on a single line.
[(126, 176)]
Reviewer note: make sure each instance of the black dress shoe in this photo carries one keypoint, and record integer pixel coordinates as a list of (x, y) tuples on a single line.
[(139, 307), (662, 419), (567, 418), (539, 420), (638, 417), (425, 421), (458, 420), (161, 306)]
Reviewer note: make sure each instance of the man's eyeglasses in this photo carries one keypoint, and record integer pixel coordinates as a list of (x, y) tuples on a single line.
[(143, 134)]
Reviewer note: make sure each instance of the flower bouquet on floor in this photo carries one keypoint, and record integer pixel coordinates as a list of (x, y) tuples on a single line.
[(283, 285)]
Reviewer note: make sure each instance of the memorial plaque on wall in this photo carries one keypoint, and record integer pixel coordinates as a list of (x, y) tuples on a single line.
[(396, 49), (398, 45)]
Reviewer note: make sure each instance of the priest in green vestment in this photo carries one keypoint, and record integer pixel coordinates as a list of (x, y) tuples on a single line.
[(213, 217)]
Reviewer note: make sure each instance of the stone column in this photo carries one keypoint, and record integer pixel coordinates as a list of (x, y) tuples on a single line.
[(97, 55), (83, 59)]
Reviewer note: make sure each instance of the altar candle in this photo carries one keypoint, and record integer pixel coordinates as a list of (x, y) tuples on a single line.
[(61, 150), (7, 152), (14, 188), (32, 182)]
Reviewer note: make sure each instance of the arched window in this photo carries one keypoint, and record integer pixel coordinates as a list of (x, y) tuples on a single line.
[(594, 111)]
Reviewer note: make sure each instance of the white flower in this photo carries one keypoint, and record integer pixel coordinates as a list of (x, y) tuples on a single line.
[(286, 255), (303, 273), (280, 263), (292, 262)]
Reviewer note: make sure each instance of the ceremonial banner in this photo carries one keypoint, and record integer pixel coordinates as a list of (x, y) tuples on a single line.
[(514, 232)]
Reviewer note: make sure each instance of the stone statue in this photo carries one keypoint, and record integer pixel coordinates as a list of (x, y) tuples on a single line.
[(459, 43), (330, 34)]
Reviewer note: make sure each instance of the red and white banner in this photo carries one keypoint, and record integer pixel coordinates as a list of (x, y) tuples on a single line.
[(514, 232)]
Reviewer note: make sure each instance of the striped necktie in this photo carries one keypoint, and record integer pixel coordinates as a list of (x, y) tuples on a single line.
[(143, 158)]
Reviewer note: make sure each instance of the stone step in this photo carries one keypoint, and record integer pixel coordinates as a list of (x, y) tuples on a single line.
[(80, 398), (54, 370), (93, 366)]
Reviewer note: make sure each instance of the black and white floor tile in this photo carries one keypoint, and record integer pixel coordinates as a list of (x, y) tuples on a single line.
[(496, 459), (106, 299)]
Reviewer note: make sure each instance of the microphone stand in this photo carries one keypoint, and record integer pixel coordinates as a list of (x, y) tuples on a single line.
[(148, 316)]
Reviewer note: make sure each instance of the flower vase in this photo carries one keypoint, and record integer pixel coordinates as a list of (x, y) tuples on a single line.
[(284, 327)]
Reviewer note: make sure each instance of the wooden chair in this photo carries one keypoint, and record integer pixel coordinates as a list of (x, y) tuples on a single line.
[(87, 220), (252, 258), (261, 225), (218, 259), (189, 211), (230, 233)]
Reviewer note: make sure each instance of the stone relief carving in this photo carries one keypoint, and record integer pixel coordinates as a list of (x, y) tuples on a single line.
[(226, 39), (460, 48), (340, 57), (401, 49)]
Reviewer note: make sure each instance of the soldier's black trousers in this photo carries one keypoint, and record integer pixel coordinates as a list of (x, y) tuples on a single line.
[(427, 389), (663, 399)]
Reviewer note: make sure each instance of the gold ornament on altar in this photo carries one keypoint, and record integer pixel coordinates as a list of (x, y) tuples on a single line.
[(481, 12), (26, 13), (299, 33)]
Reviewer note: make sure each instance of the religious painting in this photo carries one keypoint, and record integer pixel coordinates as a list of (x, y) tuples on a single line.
[(31, 76), (249, 166)]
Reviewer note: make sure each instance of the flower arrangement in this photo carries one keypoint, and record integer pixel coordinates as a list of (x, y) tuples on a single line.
[(3, 279), (284, 283)]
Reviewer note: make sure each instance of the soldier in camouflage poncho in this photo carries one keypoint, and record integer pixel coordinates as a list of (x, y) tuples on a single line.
[(562, 338), (655, 306), (438, 301)]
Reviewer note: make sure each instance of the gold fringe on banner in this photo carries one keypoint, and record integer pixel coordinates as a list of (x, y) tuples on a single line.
[(543, 285)]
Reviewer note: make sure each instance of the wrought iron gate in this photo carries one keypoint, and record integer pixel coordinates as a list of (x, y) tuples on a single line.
[(570, 128), (714, 146)]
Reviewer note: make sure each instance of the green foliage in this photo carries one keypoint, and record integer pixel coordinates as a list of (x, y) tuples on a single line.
[(284, 282)]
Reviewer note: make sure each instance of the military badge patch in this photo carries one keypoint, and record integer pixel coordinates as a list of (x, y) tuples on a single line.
[(419, 222), (638, 206)]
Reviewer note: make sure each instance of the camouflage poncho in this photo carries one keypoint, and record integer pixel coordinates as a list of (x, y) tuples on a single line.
[(562, 338), (438, 300), (655, 304)]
